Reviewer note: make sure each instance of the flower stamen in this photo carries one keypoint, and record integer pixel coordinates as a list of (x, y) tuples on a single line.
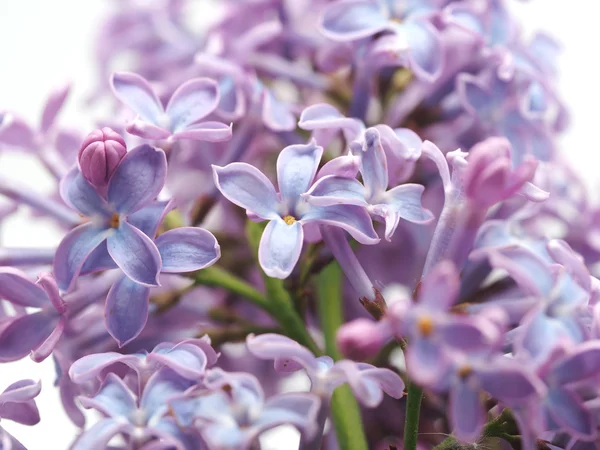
[(290, 220), (115, 220)]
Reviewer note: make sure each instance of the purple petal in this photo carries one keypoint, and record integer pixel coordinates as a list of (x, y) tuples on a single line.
[(297, 409), (138, 179), (350, 20), (81, 195), (296, 169), (508, 382), (17, 404), (439, 289), (187, 249), (15, 132), (20, 391), (191, 102), (570, 413), (404, 143), (47, 347), (17, 289), (288, 355), (336, 190), (426, 55), (24, 334), (73, 251), (135, 254), (374, 164), (186, 359), (246, 186), (92, 366), (467, 416), (114, 398), (135, 92), (98, 260), (475, 96), (368, 382), (53, 106), (206, 131), (48, 284), (426, 361), (146, 130), (582, 364), (402, 202), (431, 151), (280, 247), (324, 116), (276, 114), (98, 436), (126, 310), (149, 218), (346, 166), (354, 219)]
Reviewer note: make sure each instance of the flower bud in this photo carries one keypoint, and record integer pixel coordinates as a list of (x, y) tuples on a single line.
[(360, 339), (100, 154)]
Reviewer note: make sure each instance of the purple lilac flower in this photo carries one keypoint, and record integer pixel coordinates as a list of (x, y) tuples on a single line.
[(230, 411), (182, 117), (287, 211), (17, 404)]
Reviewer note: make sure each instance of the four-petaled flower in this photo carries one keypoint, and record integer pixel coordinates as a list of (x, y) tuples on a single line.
[(287, 211)]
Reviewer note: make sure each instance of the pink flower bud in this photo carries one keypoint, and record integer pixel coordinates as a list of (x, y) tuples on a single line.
[(100, 154), (360, 339)]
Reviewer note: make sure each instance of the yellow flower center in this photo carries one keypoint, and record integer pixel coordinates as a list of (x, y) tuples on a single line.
[(290, 220), (115, 220), (465, 371), (425, 326)]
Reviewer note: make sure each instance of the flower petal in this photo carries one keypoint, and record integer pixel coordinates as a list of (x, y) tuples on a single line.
[(73, 251), (324, 116), (135, 254), (336, 190), (20, 391), (49, 344), (373, 165), (146, 130), (510, 383), (17, 289), (186, 359), (276, 114), (113, 399), (126, 310), (206, 131), (580, 364), (187, 249), (248, 187), (570, 413), (53, 106), (138, 179), (296, 169), (280, 247), (17, 402), (26, 333), (467, 416), (92, 366), (99, 435), (350, 20), (81, 195), (149, 218), (426, 361), (354, 219), (439, 290), (288, 354), (297, 409), (425, 54), (191, 102), (135, 92)]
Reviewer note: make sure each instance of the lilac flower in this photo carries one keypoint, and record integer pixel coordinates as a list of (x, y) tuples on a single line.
[(142, 419), (181, 119), (134, 185), (287, 212), (368, 382), (414, 39), (231, 411), (38, 332), (17, 404), (402, 201), (188, 358)]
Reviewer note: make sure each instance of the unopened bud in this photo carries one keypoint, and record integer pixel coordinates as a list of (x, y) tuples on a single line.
[(100, 154), (360, 339)]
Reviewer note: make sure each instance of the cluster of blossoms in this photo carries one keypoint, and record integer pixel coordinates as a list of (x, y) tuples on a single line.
[(412, 240)]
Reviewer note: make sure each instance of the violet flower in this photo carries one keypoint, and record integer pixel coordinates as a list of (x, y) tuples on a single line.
[(17, 404), (182, 117), (142, 419), (415, 40), (231, 411), (367, 382), (38, 332), (287, 212), (134, 185)]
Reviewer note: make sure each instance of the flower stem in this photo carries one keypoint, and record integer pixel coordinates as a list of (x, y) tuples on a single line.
[(344, 408), (413, 409)]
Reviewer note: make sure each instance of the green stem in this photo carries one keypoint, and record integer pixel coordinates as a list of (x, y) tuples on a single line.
[(413, 409), (344, 408)]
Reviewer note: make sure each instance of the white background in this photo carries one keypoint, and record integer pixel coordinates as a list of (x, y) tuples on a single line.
[(45, 42)]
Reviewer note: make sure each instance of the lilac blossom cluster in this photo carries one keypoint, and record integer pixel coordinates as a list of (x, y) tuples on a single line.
[(367, 192)]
